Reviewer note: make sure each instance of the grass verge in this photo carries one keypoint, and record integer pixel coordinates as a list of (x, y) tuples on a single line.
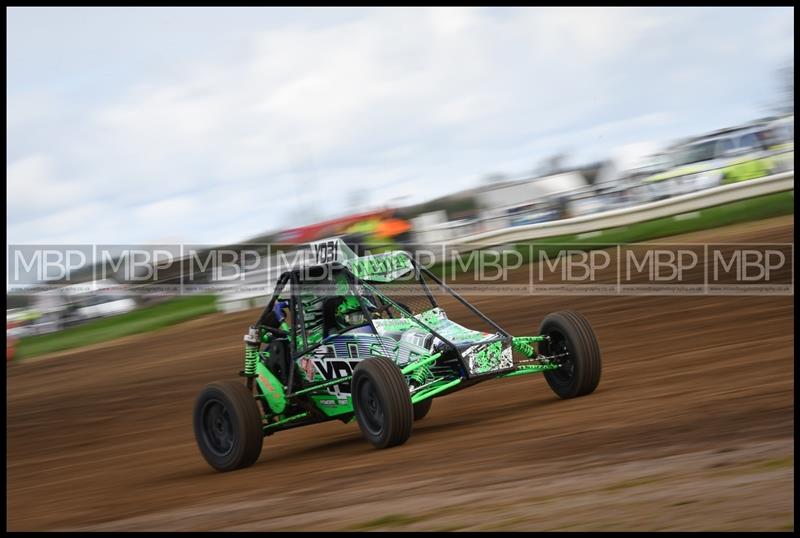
[(140, 320), (762, 207)]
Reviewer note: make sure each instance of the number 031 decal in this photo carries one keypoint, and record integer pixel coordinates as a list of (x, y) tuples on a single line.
[(326, 251)]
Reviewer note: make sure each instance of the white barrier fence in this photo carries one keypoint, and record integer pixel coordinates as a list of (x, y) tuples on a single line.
[(631, 215)]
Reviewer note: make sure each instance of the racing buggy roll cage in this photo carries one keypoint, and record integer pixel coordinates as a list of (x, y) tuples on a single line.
[(353, 351), (286, 396)]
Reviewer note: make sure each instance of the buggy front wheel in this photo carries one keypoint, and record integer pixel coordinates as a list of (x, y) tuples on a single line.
[(227, 426), (573, 344), (382, 402)]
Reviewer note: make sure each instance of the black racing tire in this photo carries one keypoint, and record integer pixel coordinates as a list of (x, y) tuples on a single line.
[(227, 426), (422, 408), (579, 374), (382, 402)]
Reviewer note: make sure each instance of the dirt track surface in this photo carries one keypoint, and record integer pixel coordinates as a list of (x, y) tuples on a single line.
[(691, 428)]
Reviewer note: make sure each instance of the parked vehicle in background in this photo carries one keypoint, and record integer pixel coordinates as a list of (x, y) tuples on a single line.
[(780, 141), (22, 322), (532, 213), (723, 157), (585, 201), (102, 306)]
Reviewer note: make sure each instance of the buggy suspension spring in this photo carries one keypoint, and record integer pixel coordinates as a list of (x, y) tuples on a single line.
[(250, 360), (525, 348), (420, 374), (524, 345)]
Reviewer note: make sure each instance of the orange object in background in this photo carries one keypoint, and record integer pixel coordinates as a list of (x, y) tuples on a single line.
[(393, 227), (324, 229)]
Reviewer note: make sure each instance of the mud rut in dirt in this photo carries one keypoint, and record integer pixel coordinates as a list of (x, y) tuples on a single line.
[(690, 428)]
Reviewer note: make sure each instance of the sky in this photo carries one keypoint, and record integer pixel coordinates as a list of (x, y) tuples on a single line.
[(214, 125)]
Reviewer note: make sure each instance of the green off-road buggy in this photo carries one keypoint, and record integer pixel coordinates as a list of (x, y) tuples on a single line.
[(363, 338)]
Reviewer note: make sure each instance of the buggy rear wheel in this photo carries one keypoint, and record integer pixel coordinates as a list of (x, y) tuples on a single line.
[(573, 341), (227, 426), (382, 402)]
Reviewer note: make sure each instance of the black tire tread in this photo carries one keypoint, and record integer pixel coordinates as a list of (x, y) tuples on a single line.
[(386, 373), (248, 425), (400, 396), (589, 348), (586, 348), (590, 340)]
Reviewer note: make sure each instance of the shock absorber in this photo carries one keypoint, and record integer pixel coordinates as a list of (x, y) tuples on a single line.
[(523, 347), (420, 374), (251, 345)]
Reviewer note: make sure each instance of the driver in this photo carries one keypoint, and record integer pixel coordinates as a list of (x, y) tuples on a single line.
[(349, 313), (344, 312)]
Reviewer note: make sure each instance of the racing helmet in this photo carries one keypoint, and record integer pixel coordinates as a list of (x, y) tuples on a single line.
[(349, 312)]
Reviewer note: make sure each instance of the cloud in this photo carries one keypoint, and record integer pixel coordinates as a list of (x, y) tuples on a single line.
[(33, 185), (63, 226), (273, 120)]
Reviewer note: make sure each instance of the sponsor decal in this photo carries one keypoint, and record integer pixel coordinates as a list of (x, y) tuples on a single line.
[(308, 368), (333, 368), (383, 267)]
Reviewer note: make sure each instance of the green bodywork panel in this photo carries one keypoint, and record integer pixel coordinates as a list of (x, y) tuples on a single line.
[(332, 407), (271, 388), (452, 331), (487, 358)]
